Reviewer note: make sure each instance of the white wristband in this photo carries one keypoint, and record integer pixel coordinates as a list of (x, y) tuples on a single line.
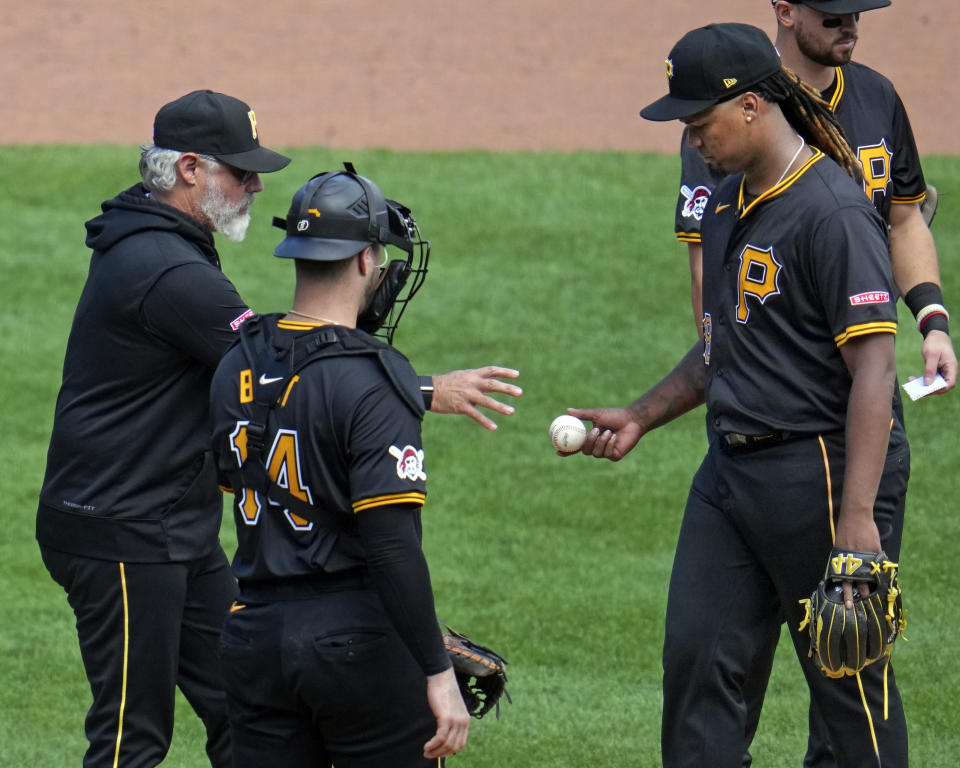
[(931, 309)]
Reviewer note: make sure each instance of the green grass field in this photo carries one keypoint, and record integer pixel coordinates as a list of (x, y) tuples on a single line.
[(565, 267)]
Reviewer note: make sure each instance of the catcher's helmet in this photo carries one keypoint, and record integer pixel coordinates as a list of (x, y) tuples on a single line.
[(337, 214)]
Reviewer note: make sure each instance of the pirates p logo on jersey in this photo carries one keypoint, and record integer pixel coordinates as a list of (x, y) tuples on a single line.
[(758, 278), (409, 463), (875, 160)]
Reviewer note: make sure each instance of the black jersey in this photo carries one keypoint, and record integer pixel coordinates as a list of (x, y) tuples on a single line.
[(129, 471), (877, 128), (788, 280), (342, 437)]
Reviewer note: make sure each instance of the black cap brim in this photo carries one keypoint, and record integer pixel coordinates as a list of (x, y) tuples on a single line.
[(259, 160), (670, 108), (840, 7), (317, 248)]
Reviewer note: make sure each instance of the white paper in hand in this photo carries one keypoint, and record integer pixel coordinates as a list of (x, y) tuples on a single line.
[(917, 389)]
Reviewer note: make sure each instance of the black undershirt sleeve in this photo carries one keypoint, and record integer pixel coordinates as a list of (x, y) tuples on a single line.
[(398, 568)]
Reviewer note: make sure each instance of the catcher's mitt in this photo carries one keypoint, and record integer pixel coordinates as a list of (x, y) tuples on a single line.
[(480, 672), (844, 641)]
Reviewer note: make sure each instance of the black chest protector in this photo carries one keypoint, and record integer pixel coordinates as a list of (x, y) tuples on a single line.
[(274, 359)]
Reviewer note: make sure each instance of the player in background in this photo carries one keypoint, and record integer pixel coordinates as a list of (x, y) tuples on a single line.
[(797, 371), (129, 512), (816, 39), (332, 653)]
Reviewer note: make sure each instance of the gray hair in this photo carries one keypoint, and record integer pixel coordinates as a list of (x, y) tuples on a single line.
[(158, 166)]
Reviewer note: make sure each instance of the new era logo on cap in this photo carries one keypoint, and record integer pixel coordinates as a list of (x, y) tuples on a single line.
[(215, 124)]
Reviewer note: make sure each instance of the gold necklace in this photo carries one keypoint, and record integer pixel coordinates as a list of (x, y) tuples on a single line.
[(313, 317)]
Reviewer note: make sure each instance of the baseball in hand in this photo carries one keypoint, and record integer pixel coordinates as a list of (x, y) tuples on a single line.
[(567, 433)]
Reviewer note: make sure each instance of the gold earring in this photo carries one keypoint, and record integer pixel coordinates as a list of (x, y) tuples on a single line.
[(749, 119)]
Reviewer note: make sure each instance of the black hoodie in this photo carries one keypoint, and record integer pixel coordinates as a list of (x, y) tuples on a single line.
[(129, 472)]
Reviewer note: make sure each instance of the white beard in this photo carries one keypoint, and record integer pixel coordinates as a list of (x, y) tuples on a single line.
[(226, 217)]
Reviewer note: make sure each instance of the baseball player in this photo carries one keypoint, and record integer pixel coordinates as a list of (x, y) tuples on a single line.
[(816, 39), (796, 368), (332, 654)]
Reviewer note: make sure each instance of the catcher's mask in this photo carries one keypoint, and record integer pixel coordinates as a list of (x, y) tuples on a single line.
[(337, 214)]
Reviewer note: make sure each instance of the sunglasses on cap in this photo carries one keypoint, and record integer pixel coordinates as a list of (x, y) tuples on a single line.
[(835, 21)]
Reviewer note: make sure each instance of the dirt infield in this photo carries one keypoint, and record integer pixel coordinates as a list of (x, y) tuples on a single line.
[(418, 74)]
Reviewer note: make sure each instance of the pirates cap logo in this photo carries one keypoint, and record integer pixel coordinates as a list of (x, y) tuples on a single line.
[(669, 63)]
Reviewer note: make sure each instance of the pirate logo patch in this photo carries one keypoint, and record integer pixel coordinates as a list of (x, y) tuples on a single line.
[(409, 463), (696, 202)]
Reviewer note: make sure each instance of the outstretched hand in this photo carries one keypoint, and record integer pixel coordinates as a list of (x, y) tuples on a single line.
[(614, 432), (465, 392)]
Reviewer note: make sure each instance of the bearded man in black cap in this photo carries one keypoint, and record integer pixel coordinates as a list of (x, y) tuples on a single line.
[(130, 510)]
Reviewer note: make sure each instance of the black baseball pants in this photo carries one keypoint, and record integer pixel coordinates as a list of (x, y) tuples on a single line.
[(144, 629), (756, 535), (320, 677)]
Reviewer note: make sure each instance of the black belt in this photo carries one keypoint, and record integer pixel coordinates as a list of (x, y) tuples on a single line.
[(302, 586), (738, 441)]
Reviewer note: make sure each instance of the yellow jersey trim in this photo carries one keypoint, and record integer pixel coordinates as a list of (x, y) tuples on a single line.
[(909, 200), (413, 497), (778, 188), (865, 330), (689, 237), (838, 92), (298, 325)]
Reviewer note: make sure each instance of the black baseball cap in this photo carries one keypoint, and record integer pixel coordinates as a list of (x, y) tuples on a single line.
[(713, 64), (840, 7), (218, 125)]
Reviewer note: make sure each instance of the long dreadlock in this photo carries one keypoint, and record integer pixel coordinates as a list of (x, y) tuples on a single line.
[(810, 116)]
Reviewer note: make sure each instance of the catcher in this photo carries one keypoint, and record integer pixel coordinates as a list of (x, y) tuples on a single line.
[(332, 654)]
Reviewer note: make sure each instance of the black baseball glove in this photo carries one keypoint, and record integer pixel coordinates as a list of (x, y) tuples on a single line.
[(844, 641), (480, 672)]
